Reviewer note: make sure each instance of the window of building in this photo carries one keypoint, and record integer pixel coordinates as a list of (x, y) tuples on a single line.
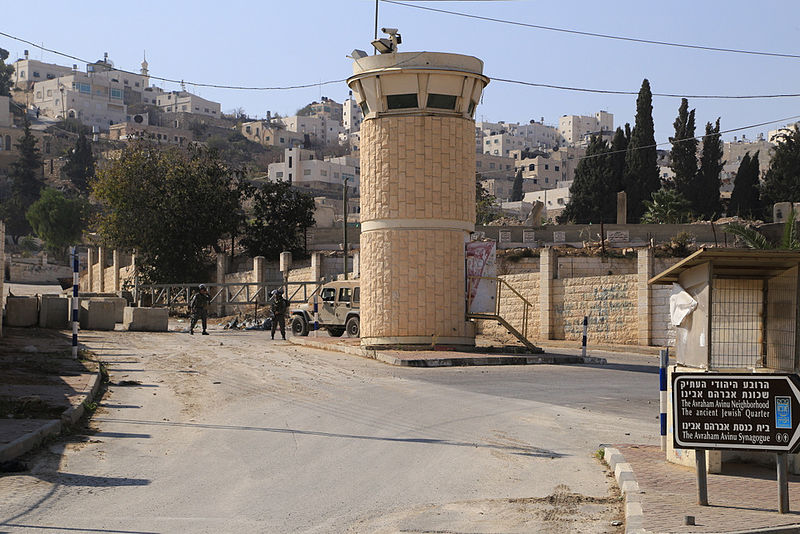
[(547, 180), (478, 164), (546, 166), (556, 167), (213, 111), (22, 74), (183, 108), (247, 129), (290, 162), (306, 172), (35, 74), (38, 94), (491, 165), (531, 167), (536, 180), (85, 88), (323, 173), (560, 201), (441, 101), (114, 80), (336, 175), (279, 174), (206, 109), (402, 101), (282, 140), (50, 77), (495, 141), (136, 84), (116, 94), (197, 108)]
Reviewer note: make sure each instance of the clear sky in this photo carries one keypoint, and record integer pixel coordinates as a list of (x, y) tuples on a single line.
[(291, 42)]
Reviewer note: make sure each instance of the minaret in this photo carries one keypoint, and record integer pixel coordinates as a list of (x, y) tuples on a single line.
[(417, 193), (144, 71)]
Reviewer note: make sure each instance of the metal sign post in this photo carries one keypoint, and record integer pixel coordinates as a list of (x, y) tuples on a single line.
[(739, 411)]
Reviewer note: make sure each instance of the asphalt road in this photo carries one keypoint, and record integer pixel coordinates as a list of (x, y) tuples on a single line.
[(235, 433)]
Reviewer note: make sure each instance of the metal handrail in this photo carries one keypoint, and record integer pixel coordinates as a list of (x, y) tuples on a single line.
[(527, 306)]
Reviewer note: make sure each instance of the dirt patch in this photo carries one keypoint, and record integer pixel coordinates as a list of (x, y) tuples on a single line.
[(29, 408)]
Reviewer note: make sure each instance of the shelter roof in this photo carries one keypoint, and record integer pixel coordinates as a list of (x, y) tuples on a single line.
[(733, 263)]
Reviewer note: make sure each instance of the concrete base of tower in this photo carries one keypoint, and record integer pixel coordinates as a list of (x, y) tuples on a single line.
[(417, 342)]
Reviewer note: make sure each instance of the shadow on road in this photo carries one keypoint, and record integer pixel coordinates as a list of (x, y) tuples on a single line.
[(513, 449)]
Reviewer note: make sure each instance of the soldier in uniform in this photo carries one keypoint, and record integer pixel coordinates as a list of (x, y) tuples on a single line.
[(279, 306), (199, 308)]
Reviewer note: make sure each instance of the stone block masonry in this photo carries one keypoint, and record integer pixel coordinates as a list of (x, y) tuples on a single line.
[(622, 309)]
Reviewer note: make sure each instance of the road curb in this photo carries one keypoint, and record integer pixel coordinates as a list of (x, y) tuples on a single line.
[(71, 415), (460, 361), (623, 472)]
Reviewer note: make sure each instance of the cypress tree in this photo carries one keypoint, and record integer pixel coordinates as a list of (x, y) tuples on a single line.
[(782, 180), (79, 167), (516, 190), (591, 191), (684, 151), (25, 176), (641, 161), (745, 199), (706, 202)]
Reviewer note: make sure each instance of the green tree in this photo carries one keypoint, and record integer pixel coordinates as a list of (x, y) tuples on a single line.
[(706, 200), (80, 165), (516, 189), (641, 161), (667, 206), (170, 206), (57, 220), (752, 238), (6, 71), (593, 190), (684, 151), (279, 217), (485, 205), (25, 176), (782, 179), (745, 198)]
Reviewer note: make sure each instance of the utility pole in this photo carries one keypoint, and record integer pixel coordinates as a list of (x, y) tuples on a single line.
[(344, 221), (376, 25)]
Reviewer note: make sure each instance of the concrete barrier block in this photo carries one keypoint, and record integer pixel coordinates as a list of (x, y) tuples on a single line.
[(54, 312), (22, 311), (119, 306), (96, 315), (146, 319)]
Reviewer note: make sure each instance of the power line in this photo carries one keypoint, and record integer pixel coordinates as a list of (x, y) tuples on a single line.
[(698, 137), (329, 82), (615, 92), (592, 34), (170, 80)]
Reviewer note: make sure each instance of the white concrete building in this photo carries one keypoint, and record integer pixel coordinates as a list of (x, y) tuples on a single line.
[(270, 134), (554, 200), (516, 137), (5, 111), (323, 130), (301, 168), (351, 115), (29, 71), (95, 100), (575, 128), (185, 102)]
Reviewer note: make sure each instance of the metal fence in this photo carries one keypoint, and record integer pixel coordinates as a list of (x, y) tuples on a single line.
[(255, 293)]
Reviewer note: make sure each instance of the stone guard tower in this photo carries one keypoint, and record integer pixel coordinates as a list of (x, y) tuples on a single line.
[(417, 195)]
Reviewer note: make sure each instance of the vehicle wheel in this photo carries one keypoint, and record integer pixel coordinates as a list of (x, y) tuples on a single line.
[(336, 331), (352, 326), (299, 325)]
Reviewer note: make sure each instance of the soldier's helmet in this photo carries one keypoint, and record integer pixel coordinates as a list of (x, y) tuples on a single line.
[(201, 287)]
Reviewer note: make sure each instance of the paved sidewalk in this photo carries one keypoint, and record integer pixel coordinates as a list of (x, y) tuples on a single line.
[(483, 355), (744, 498), (42, 389)]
